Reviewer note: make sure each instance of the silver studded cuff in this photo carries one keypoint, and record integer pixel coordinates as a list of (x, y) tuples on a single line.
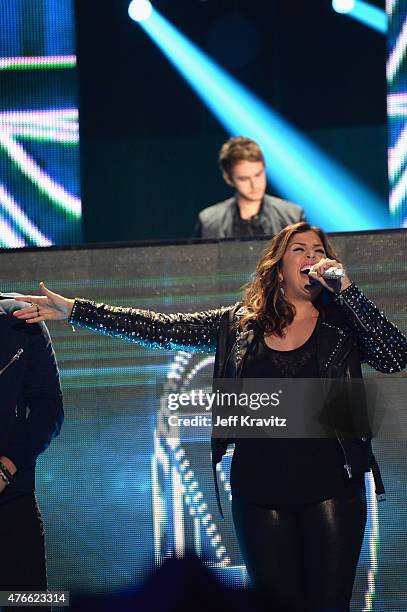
[(349, 290), (77, 316), (354, 298), (362, 309)]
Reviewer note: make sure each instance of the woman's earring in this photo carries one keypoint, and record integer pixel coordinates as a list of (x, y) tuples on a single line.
[(281, 286)]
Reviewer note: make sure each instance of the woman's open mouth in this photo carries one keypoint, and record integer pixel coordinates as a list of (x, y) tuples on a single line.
[(304, 271)]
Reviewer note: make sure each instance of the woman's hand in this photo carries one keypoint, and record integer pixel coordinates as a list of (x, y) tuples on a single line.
[(317, 271), (48, 307)]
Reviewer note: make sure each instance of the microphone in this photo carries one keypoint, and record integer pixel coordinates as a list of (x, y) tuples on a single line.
[(330, 274)]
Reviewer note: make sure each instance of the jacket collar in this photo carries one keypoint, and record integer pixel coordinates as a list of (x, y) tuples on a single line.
[(330, 340)]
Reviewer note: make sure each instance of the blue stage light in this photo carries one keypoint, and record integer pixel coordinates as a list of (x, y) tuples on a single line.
[(368, 14), (140, 10), (331, 196), (343, 6)]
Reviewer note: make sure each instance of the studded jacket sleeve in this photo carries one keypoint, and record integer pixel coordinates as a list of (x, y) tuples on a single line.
[(196, 332), (381, 344)]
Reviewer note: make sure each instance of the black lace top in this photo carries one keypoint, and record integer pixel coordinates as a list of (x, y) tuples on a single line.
[(274, 472), (270, 363)]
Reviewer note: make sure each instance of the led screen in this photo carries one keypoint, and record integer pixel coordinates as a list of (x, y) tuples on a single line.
[(39, 130), (397, 110)]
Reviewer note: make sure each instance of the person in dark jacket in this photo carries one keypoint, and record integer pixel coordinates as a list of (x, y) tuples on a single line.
[(31, 415), (250, 212), (299, 505)]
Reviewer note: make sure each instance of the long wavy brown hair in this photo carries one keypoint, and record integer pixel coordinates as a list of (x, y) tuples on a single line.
[(263, 299)]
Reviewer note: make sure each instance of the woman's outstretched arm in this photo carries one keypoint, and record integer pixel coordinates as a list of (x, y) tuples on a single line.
[(195, 332)]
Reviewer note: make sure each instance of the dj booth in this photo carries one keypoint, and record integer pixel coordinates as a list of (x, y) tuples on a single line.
[(118, 496)]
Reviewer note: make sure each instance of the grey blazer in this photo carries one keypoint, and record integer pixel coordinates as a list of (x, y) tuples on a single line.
[(217, 221)]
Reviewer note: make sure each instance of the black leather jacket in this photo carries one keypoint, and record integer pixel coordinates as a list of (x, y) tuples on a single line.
[(352, 331), (29, 379)]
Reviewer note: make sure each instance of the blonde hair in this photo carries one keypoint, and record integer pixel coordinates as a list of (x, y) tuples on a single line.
[(237, 149)]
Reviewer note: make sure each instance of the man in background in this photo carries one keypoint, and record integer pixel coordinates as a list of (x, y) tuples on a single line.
[(31, 414), (250, 212)]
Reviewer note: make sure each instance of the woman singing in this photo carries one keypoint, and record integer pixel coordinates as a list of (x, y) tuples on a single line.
[(299, 505)]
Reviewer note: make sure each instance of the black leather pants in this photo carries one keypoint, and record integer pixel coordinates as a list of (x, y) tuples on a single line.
[(303, 557)]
